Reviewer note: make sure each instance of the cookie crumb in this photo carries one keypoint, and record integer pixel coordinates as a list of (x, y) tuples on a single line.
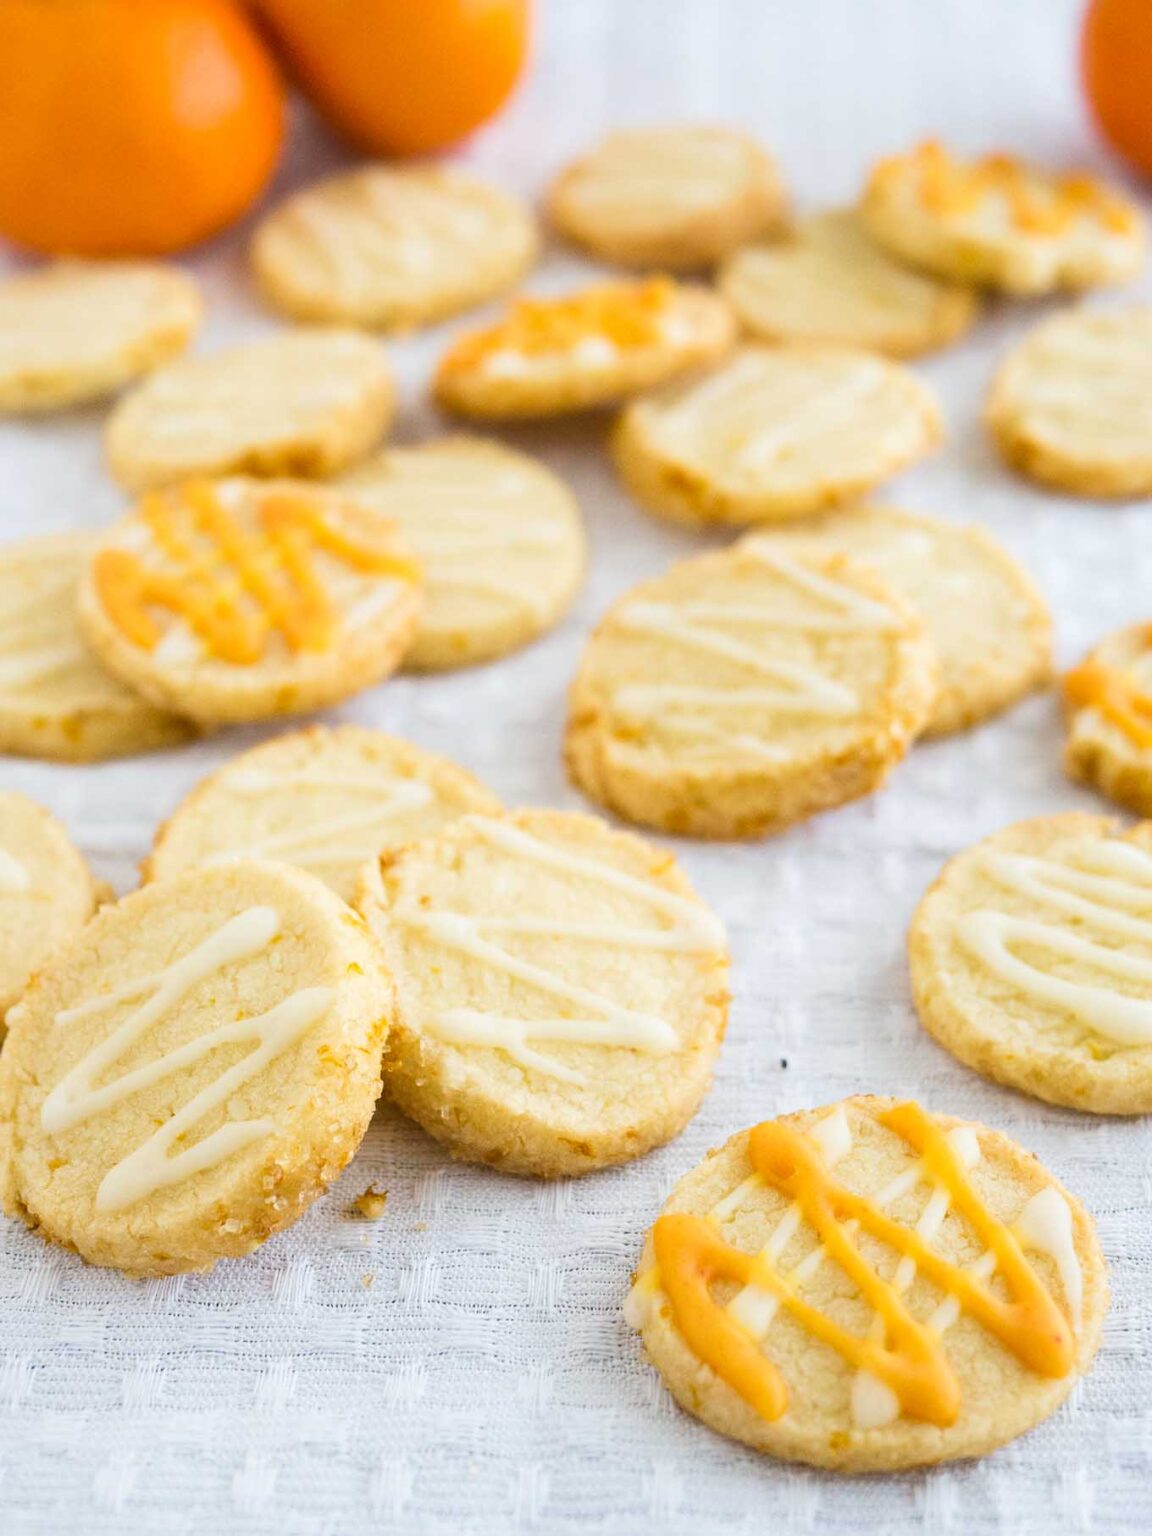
[(368, 1280), (370, 1205)]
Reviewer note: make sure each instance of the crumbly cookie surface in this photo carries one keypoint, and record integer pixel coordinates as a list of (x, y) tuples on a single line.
[(1108, 712)]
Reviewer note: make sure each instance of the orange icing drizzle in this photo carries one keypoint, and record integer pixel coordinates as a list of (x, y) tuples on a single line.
[(234, 587), (1115, 695), (691, 1255), (627, 314), (950, 187)]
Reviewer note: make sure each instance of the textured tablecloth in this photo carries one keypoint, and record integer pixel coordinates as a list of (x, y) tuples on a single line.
[(461, 1365)]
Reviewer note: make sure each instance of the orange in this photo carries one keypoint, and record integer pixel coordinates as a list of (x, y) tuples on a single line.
[(1116, 61), (403, 77), (131, 127)]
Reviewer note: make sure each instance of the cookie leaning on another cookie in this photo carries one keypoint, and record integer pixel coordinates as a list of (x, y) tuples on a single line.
[(561, 990), (194, 1071), (1031, 961), (990, 627), (301, 402), (1108, 701), (673, 198), (773, 433), (247, 599), (326, 799), (392, 247), (771, 1300), (746, 689)]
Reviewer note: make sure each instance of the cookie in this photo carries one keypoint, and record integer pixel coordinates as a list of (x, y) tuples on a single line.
[(591, 348), (746, 689), (499, 538), (561, 990), (77, 331), (1001, 224), (47, 893), (194, 1071), (990, 627), (773, 433), (392, 247), (868, 1287), (829, 282), (245, 599), (1108, 702), (1032, 960), (56, 701), (1070, 405), (325, 799), (304, 402), (677, 198)]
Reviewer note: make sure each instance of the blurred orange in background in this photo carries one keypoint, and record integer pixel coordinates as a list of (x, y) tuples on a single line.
[(1116, 58)]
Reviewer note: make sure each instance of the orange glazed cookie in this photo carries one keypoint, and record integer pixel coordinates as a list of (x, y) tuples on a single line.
[(241, 599), (870, 1287), (1108, 702)]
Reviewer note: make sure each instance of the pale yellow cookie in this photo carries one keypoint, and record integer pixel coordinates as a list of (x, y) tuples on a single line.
[(56, 701), (868, 1286), (392, 247), (1032, 961), (829, 282), (498, 536), (990, 627), (561, 990), (775, 432), (324, 799), (678, 197), (591, 348), (746, 689), (1001, 224), (80, 330), (194, 1070), (1108, 701), (245, 599), (47, 893), (1070, 406), (302, 402)]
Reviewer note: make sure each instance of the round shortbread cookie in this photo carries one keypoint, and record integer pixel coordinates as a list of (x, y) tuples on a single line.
[(561, 990), (77, 331), (244, 599), (56, 701), (47, 893), (1001, 224), (1032, 961), (1108, 704), (1071, 404), (829, 282), (194, 1071), (676, 198), (392, 247), (591, 348), (774, 433), (498, 536), (990, 627), (324, 799), (746, 689), (867, 1287), (303, 402)]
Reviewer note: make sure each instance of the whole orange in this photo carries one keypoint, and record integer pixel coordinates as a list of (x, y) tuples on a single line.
[(1116, 60), (131, 127), (402, 77)]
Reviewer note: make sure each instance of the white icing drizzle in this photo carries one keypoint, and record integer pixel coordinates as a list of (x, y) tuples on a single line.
[(1104, 884), (14, 878), (76, 1098), (604, 1021)]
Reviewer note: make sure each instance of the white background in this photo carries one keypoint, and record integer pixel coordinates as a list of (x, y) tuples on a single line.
[(485, 1381)]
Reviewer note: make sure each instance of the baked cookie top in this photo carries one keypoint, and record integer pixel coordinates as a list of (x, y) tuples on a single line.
[(999, 223), (1032, 958), (591, 348), (392, 247), (676, 197), (869, 1286), (498, 536), (1108, 701), (828, 281)]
